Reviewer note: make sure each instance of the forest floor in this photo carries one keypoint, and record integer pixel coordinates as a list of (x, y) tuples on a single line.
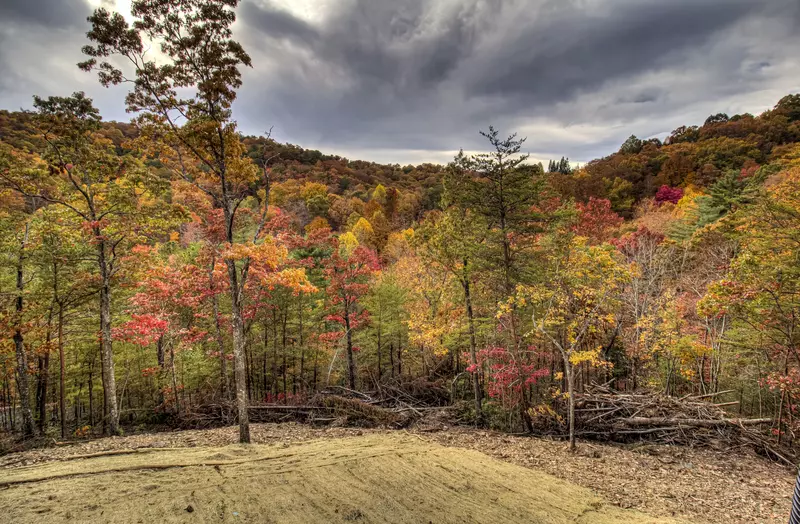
[(299, 473)]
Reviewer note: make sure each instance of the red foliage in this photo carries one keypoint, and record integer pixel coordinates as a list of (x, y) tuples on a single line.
[(640, 239), (596, 219), (669, 194), (167, 297), (348, 281), (141, 330), (506, 376), (749, 169)]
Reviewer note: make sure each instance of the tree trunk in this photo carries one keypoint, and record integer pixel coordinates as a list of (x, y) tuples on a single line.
[(162, 364), (91, 393), (174, 377), (524, 401), (391, 357), (160, 352), (223, 358), (379, 351), (399, 356), (302, 348), (568, 371), (283, 352), (239, 369), (223, 361), (41, 390), (107, 351), (351, 361), (28, 429), (62, 379), (248, 370), (274, 353), (44, 375), (316, 368), (473, 355), (267, 384)]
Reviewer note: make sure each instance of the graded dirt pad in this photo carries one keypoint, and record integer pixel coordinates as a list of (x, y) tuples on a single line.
[(725, 486), (371, 478)]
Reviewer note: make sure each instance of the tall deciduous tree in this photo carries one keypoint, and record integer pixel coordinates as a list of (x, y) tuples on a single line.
[(453, 241), (113, 197), (63, 261), (577, 299), (348, 270), (196, 135), (15, 224)]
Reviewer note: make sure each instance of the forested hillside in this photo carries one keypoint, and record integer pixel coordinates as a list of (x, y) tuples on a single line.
[(155, 267)]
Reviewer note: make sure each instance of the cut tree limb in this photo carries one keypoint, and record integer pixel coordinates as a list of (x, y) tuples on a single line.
[(657, 421)]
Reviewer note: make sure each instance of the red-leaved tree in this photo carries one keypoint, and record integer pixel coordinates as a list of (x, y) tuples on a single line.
[(348, 272), (505, 377), (669, 194), (596, 220), (164, 312)]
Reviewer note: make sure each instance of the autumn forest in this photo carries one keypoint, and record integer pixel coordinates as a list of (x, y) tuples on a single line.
[(157, 271)]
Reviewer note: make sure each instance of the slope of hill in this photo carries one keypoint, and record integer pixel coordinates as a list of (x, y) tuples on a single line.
[(691, 156)]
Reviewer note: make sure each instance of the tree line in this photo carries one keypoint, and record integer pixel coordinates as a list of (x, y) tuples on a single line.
[(153, 267)]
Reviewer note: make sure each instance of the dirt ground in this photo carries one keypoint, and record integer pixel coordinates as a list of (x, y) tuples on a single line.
[(369, 478), (387, 476)]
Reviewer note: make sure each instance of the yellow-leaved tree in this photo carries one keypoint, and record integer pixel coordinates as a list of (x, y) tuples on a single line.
[(575, 302)]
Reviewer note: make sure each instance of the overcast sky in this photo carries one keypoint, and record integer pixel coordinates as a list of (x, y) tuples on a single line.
[(410, 81)]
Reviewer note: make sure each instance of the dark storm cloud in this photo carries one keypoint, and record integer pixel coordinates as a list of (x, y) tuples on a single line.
[(277, 23), (391, 43), (413, 80), (577, 49), (418, 74)]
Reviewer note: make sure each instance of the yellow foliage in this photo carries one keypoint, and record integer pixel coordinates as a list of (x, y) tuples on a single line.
[(789, 156), (398, 244), (433, 312), (313, 189), (688, 202), (579, 300), (317, 224), (292, 278), (347, 244), (281, 193), (363, 231), (379, 194), (593, 357)]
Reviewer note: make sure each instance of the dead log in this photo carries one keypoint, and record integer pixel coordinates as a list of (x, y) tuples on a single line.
[(707, 395), (696, 422)]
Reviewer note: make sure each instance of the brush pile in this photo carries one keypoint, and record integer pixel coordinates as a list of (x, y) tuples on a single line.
[(392, 406), (604, 414)]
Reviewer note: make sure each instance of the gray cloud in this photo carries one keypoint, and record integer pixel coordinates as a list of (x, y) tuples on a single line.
[(411, 74), (32, 51), (414, 80), (578, 48), (47, 13)]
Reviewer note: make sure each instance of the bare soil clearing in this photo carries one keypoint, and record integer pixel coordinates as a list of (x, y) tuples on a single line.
[(386, 476), (372, 478)]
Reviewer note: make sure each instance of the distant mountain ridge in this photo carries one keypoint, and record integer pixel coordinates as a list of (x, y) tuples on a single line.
[(691, 156)]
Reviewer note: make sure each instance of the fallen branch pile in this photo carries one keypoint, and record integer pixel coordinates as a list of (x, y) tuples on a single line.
[(392, 406), (604, 414)]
